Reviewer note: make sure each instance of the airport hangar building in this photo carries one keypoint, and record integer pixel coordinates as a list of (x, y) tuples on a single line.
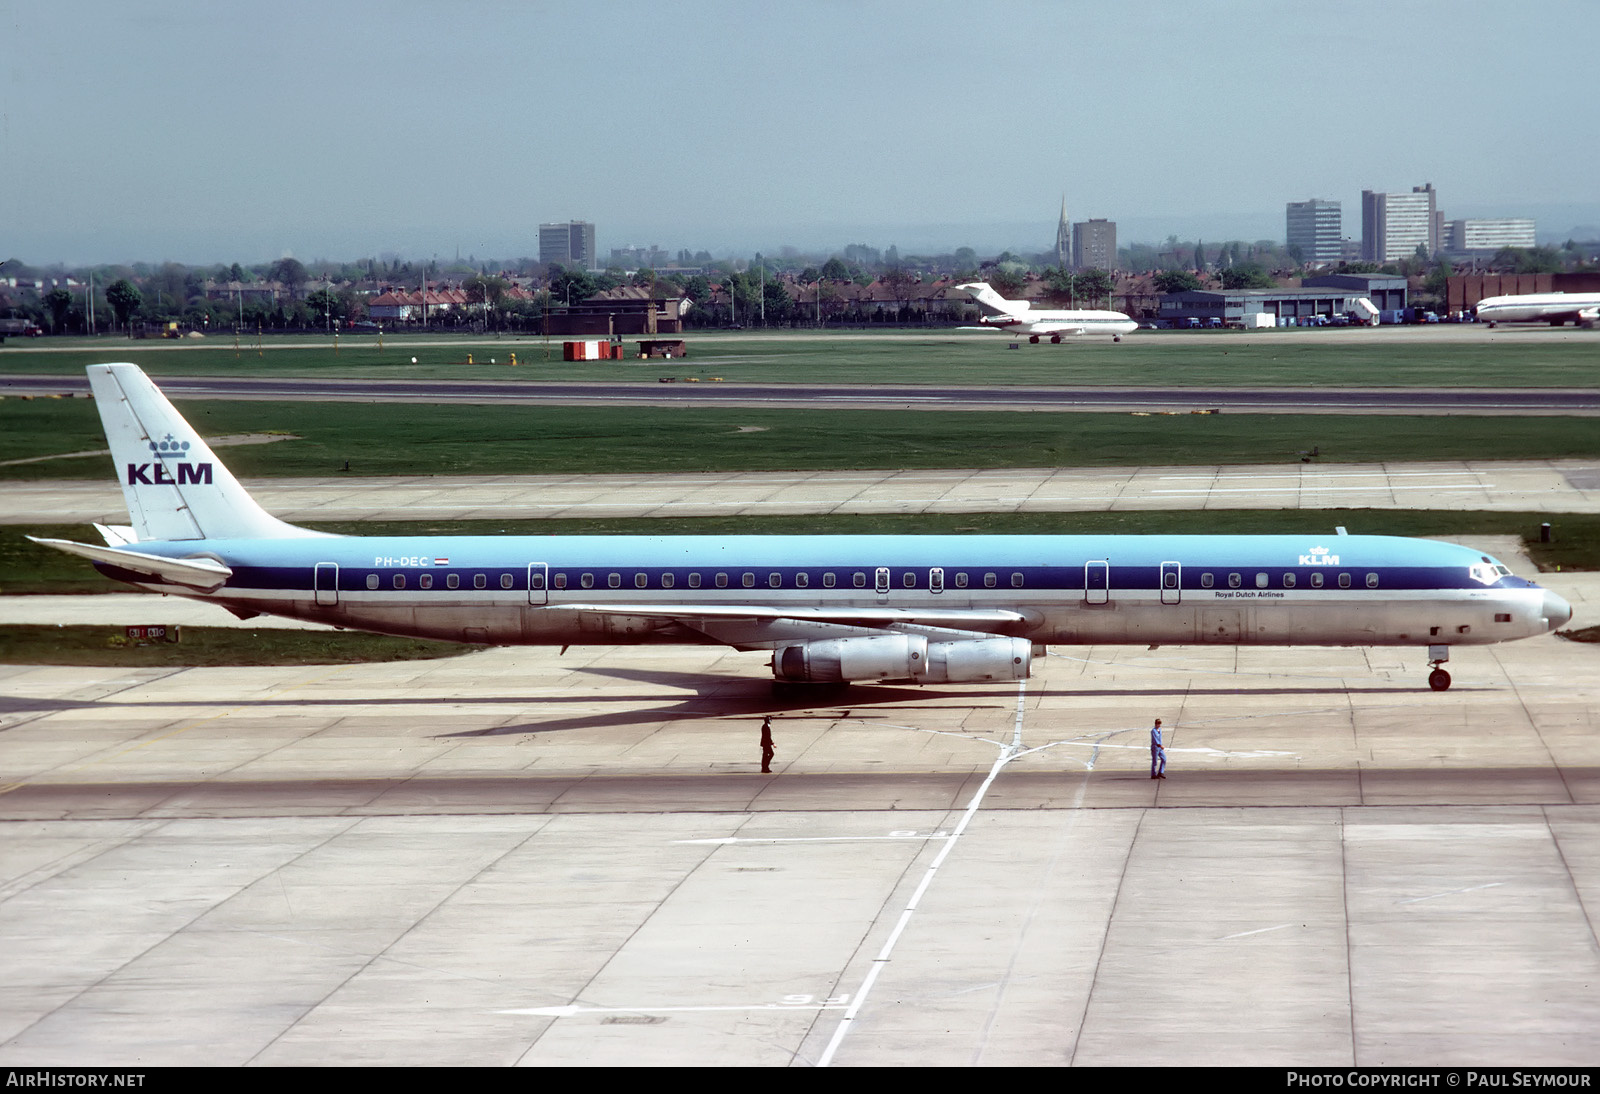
[(1326, 295)]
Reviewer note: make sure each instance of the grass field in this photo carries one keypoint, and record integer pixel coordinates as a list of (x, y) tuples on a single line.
[(1399, 357), (27, 568), (410, 439)]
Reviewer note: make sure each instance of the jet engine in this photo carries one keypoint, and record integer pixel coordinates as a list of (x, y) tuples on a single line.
[(904, 657)]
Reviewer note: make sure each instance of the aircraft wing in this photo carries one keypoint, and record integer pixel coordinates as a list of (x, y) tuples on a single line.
[(198, 573), (959, 618), (752, 626)]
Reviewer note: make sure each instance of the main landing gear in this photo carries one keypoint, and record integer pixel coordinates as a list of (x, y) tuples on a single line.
[(1055, 339), (1438, 679), (1034, 338)]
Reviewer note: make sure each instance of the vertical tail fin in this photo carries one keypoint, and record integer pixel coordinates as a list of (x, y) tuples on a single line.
[(986, 296), (174, 486)]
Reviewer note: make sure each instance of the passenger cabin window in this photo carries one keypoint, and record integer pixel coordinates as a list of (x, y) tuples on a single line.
[(880, 580), (748, 581), (909, 580), (399, 581), (1288, 580), (1206, 581), (802, 580), (1372, 581), (858, 579), (479, 581), (1016, 581), (372, 581), (425, 581), (1344, 581), (961, 581), (694, 581), (1233, 581), (1261, 581), (560, 581), (1169, 580), (641, 581), (828, 581), (668, 581), (988, 581), (587, 581), (505, 581), (722, 581), (774, 580), (1316, 580), (614, 580), (452, 581)]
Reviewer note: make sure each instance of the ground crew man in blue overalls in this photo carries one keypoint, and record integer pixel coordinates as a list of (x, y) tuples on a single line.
[(1158, 754)]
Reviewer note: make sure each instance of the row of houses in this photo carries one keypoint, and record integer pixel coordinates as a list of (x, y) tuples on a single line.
[(402, 306)]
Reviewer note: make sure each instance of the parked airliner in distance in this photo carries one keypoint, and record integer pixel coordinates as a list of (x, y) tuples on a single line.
[(1020, 317), (921, 609), (1555, 308)]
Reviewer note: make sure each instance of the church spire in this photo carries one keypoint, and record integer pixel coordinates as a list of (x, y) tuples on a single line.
[(1063, 236)]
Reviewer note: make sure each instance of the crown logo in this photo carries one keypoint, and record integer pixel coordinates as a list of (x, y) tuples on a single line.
[(169, 448)]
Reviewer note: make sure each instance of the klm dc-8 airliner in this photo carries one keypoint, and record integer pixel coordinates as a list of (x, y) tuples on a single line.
[(921, 609)]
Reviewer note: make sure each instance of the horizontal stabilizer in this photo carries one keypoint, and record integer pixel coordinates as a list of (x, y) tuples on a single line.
[(198, 573)]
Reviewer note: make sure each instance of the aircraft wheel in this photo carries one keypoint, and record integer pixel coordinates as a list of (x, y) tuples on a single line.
[(1034, 338), (1116, 337), (1055, 339), (1439, 680)]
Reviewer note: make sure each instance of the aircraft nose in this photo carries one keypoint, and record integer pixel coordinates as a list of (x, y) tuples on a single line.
[(1556, 611)]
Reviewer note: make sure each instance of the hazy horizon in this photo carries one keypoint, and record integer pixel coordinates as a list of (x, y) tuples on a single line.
[(180, 131)]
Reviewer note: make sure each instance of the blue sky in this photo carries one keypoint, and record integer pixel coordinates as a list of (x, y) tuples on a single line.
[(202, 132)]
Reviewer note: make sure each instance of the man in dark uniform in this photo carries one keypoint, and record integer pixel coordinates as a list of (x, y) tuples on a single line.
[(767, 747)]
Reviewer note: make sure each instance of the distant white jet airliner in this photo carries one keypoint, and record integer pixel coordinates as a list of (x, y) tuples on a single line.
[(918, 609), (1555, 308), (1020, 317)]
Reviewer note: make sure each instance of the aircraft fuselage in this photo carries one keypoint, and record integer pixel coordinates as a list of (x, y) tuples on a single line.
[(1261, 590)]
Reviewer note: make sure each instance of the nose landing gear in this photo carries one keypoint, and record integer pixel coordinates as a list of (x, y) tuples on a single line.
[(1438, 679)]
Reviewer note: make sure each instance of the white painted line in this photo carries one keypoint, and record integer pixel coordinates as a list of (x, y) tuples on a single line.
[(1010, 753), (719, 841), (1247, 934), (572, 1008), (1200, 750), (1452, 892)]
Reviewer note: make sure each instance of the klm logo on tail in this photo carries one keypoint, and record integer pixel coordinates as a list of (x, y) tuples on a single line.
[(148, 474), (155, 474)]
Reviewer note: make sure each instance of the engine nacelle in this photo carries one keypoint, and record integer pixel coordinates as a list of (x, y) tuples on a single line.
[(835, 660), (904, 657), (979, 659)]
